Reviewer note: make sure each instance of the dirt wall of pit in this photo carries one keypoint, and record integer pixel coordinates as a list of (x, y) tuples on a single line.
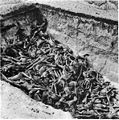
[(83, 33), (87, 34)]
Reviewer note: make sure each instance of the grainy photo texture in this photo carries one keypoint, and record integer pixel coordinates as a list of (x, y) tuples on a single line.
[(59, 59)]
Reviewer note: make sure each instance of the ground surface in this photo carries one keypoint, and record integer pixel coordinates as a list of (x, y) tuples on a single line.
[(77, 6), (81, 6), (16, 104)]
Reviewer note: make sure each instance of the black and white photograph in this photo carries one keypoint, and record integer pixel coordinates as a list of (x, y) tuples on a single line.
[(59, 59)]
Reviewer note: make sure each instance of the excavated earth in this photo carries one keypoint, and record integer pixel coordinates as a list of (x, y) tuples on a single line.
[(15, 104), (90, 32), (86, 28)]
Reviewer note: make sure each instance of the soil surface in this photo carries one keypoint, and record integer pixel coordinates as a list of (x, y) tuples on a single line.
[(82, 6), (16, 104)]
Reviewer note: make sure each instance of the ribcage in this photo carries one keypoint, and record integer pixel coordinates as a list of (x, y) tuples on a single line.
[(84, 84)]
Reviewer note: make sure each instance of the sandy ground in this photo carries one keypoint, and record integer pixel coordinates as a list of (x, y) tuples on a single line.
[(79, 6), (16, 104)]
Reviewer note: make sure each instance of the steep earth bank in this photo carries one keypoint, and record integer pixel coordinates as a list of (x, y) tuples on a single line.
[(94, 32), (87, 34)]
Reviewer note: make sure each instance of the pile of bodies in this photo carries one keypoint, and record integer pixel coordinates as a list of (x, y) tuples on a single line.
[(49, 72)]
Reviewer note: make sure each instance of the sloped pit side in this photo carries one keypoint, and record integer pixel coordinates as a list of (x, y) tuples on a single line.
[(16, 105), (24, 15), (84, 82), (87, 34)]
